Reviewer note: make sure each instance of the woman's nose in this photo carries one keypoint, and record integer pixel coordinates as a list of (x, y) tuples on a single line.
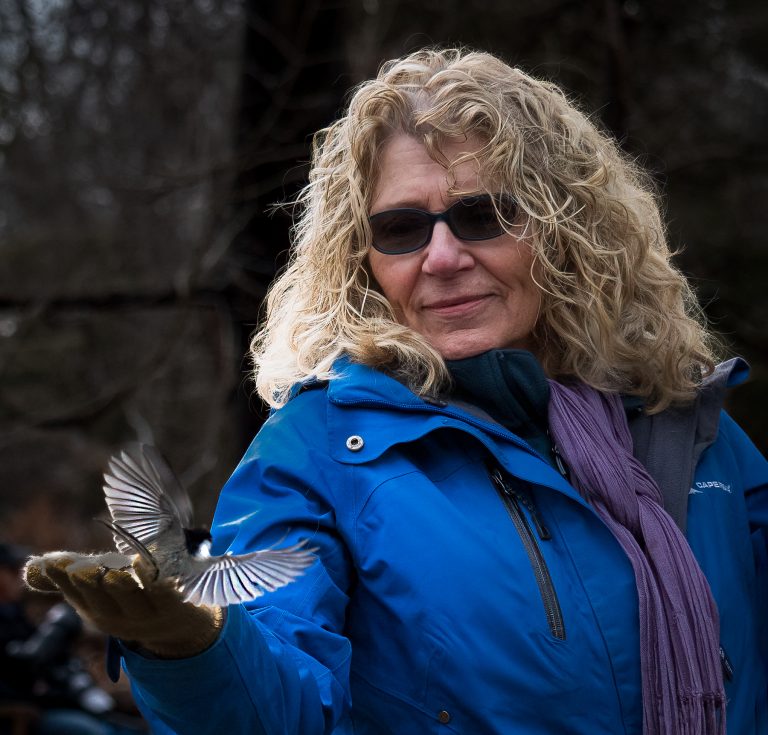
[(445, 253)]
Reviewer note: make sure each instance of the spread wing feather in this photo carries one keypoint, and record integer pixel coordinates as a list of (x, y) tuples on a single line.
[(167, 480), (228, 580), (143, 495)]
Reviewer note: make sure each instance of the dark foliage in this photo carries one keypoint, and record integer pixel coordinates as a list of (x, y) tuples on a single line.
[(143, 142)]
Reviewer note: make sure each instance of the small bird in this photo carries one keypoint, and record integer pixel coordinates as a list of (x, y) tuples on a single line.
[(152, 516)]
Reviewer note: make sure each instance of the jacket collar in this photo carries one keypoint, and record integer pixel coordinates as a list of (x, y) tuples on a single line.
[(359, 432)]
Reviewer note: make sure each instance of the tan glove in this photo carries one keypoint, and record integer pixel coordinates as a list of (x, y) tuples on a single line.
[(119, 595)]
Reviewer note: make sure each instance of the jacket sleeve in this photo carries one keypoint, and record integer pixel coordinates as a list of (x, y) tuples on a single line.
[(754, 473), (281, 663)]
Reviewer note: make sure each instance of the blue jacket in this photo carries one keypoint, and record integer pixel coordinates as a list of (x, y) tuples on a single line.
[(444, 601)]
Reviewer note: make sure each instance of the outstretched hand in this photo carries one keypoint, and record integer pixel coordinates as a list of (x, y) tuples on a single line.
[(121, 597)]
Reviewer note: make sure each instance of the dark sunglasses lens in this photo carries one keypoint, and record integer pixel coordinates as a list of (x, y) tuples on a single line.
[(475, 218), (400, 231)]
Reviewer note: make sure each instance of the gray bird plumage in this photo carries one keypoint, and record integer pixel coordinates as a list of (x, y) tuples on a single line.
[(152, 516)]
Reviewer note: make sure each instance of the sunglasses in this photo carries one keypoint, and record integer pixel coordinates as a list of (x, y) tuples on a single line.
[(399, 231)]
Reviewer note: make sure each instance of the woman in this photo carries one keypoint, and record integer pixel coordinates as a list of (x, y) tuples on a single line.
[(480, 291)]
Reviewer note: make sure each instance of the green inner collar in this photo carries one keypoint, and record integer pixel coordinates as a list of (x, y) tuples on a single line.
[(510, 386)]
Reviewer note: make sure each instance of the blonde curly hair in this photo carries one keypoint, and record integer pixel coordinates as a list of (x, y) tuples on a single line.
[(615, 312)]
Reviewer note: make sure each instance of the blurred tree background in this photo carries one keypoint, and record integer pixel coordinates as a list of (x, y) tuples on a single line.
[(142, 143)]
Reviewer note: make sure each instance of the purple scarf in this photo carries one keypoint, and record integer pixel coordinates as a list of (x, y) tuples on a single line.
[(679, 624)]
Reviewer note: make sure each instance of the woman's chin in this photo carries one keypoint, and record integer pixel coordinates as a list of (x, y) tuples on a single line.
[(460, 350)]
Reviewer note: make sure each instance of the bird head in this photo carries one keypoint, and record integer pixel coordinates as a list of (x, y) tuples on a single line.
[(198, 541)]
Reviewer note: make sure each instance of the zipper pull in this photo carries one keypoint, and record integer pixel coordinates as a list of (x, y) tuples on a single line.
[(727, 665), (498, 479), (541, 529), (559, 463), (520, 498)]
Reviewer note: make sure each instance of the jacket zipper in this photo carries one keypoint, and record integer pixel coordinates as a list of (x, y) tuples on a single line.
[(514, 501)]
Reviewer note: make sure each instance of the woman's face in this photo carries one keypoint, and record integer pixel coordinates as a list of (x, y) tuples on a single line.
[(463, 297)]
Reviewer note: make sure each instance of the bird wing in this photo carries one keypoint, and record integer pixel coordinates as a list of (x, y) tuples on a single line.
[(228, 580), (132, 544), (143, 495)]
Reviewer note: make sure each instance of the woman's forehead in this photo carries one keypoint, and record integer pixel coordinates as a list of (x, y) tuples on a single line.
[(409, 170)]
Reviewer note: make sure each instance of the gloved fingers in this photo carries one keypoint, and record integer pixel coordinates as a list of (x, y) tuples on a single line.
[(138, 594), (157, 614), (110, 598), (130, 591), (123, 608), (56, 570), (114, 594), (103, 600), (107, 560), (122, 582), (145, 571), (35, 577), (135, 601)]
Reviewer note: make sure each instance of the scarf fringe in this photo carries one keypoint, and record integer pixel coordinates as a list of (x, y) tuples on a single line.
[(699, 714)]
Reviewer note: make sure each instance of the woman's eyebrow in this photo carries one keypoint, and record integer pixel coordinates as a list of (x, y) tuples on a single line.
[(418, 202)]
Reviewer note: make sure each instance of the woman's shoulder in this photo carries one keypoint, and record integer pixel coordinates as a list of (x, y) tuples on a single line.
[(316, 405), (714, 426), (347, 383), (733, 437)]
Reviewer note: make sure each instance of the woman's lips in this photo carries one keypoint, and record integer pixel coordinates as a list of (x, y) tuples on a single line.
[(454, 307)]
